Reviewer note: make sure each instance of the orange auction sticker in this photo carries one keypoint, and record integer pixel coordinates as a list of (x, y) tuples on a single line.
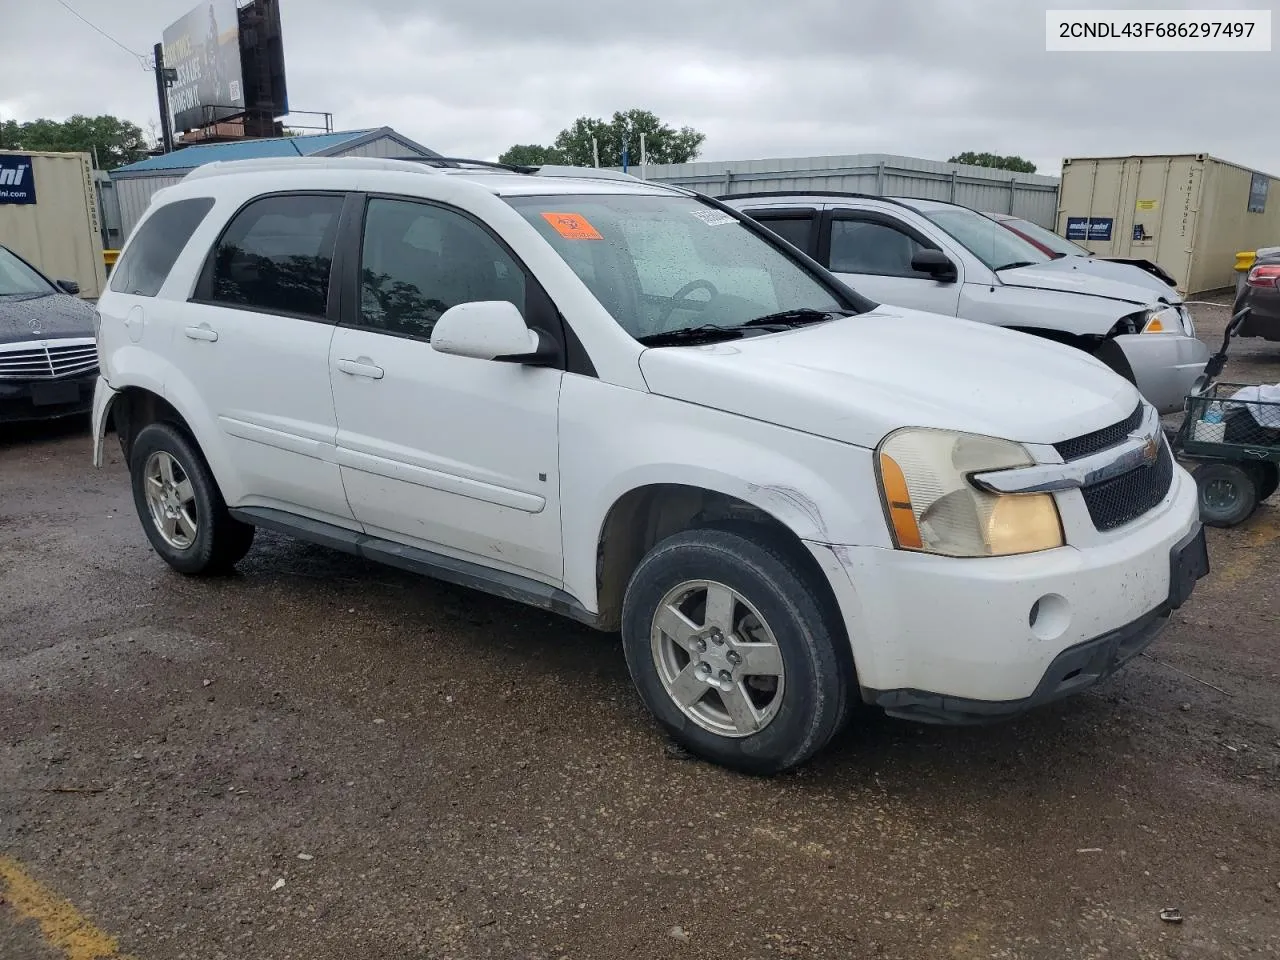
[(572, 226)]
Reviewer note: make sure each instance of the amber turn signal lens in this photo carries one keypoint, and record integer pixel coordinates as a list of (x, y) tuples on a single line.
[(901, 514)]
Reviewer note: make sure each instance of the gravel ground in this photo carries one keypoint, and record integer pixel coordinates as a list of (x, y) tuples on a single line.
[(432, 773)]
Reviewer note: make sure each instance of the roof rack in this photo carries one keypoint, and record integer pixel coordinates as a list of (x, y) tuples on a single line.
[(538, 170), (223, 167), (459, 162)]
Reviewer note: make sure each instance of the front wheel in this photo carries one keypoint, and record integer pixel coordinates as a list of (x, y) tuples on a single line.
[(1228, 494), (733, 649), (180, 506)]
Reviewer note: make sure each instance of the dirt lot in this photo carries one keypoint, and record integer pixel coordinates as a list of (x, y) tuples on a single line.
[(319, 758)]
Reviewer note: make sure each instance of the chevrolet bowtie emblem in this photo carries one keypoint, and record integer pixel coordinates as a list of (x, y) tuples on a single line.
[(1150, 450)]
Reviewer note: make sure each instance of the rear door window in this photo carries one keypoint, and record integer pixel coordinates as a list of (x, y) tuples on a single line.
[(151, 254), (276, 255)]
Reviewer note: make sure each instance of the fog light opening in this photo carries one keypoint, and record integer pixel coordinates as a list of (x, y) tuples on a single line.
[(1049, 617)]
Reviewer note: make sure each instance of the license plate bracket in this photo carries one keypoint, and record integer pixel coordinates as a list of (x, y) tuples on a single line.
[(51, 394), (1188, 562)]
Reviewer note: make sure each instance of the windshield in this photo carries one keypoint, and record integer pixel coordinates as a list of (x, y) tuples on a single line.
[(997, 247), (665, 263), (17, 279), (1039, 234)]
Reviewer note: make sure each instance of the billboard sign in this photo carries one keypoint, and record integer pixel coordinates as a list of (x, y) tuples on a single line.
[(204, 49), (17, 179)]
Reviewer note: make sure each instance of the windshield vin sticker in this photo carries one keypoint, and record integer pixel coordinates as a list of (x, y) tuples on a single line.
[(713, 218), (572, 226)]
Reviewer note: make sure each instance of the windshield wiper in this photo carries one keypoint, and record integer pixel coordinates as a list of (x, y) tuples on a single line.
[(794, 318), (706, 333), (1015, 264)]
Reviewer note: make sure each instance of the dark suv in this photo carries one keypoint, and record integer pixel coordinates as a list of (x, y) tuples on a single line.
[(48, 351)]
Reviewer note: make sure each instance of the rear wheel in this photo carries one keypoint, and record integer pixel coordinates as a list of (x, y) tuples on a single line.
[(1228, 493), (180, 506), (734, 651)]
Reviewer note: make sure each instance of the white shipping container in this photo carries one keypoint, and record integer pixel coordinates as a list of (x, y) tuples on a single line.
[(1189, 213), (59, 233)]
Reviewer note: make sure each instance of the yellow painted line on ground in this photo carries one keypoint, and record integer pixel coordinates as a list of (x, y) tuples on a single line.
[(63, 926), (1265, 531)]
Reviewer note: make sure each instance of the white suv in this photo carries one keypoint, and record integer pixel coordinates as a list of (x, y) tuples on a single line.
[(944, 258), (633, 406)]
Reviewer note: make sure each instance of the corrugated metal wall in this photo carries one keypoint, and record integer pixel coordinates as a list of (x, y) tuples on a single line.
[(1027, 195), (134, 194), (59, 233)]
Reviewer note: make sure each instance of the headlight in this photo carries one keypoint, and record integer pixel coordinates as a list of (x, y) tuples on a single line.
[(932, 506), (1167, 320)]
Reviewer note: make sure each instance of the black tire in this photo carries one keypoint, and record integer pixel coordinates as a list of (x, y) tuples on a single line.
[(220, 541), (1228, 494), (1267, 478), (815, 691)]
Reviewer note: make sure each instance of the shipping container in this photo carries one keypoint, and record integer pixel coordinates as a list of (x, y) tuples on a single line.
[(1189, 213), (1030, 196), (49, 216)]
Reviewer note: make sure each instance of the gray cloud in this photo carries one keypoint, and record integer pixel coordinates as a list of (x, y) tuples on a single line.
[(924, 78)]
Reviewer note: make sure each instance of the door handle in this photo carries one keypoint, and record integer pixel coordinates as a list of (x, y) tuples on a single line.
[(202, 332), (361, 368)]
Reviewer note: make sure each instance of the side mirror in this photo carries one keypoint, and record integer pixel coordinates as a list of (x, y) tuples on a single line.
[(69, 286), (486, 330), (936, 264)]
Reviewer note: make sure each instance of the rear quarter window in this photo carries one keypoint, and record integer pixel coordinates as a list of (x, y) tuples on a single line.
[(145, 264)]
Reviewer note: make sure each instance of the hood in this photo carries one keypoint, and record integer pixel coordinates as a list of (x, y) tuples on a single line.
[(1096, 278), (858, 378), (56, 315), (1122, 272)]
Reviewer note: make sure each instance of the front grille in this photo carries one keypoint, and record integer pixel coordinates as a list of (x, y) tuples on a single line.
[(48, 361), (1117, 433), (1125, 498)]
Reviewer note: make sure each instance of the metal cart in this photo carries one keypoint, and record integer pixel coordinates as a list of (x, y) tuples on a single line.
[(1233, 437)]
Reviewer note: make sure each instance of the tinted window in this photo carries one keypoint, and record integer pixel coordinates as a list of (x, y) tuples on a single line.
[(276, 255), (150, 255), (864, 246), (419, 260), (794, 230)]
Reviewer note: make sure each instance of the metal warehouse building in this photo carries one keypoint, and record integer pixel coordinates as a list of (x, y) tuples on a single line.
[(135, 184), (1189, 213), (1027, 195)]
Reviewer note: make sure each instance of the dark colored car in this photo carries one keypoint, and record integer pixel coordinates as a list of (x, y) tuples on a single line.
[(48, 350), (1053, 245), (1261, 293)]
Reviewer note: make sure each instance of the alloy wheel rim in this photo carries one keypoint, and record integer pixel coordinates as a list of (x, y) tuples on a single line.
[(171, 500), (717, 658)]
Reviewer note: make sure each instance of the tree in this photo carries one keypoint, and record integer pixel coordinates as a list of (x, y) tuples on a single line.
[(1016, 164), (531, 155), (663, 143), (115, 142)]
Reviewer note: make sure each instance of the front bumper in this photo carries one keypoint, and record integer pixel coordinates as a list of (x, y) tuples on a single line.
[(1164, 366), (1074, 669), (46, 399), (989, 630)]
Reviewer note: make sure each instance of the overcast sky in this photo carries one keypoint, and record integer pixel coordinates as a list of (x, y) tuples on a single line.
[(762, 78)]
